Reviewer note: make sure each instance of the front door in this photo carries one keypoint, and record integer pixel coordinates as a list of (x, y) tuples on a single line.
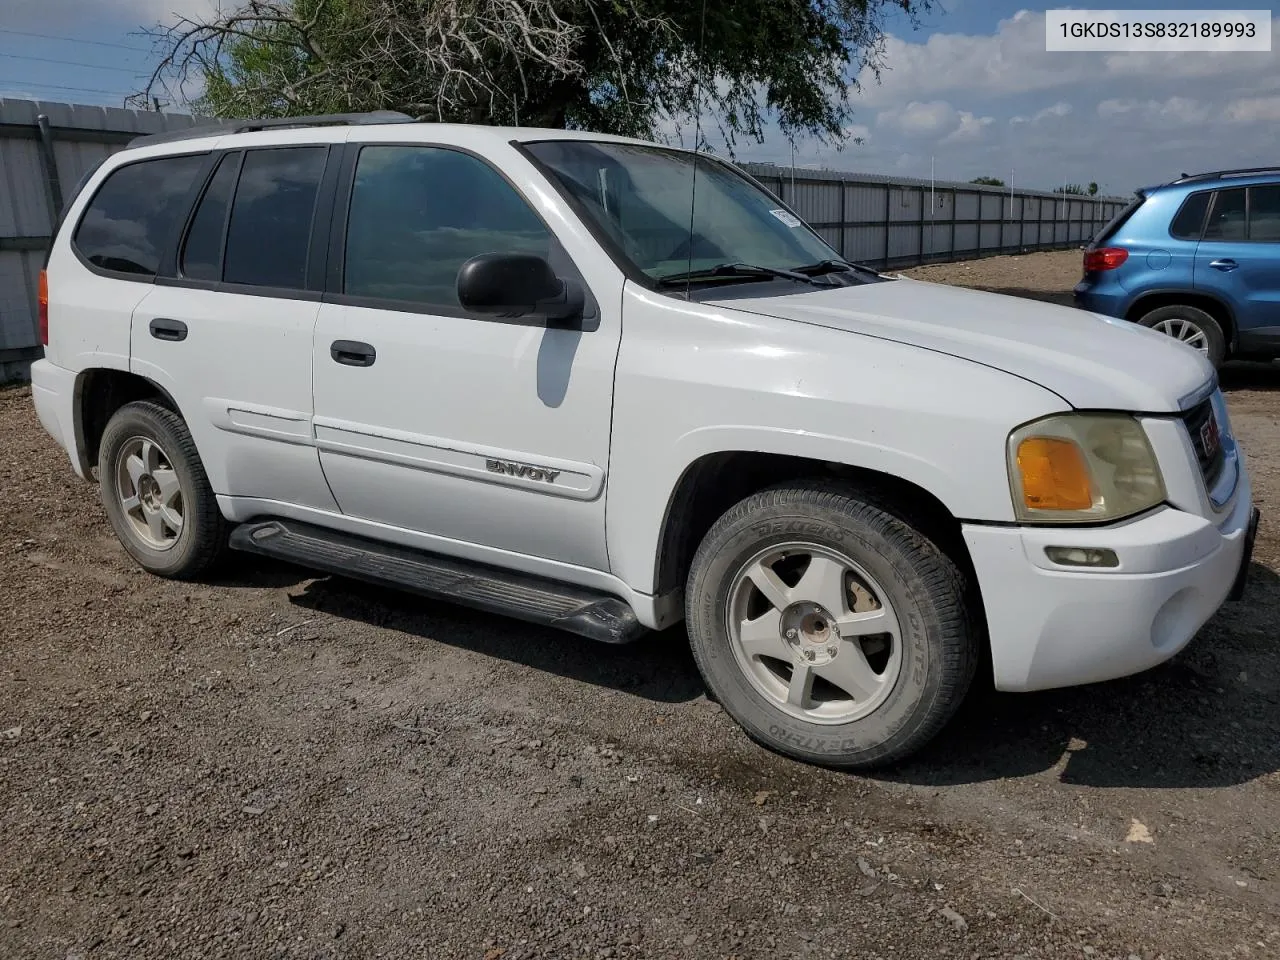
[(1239, 260), (432, 419)]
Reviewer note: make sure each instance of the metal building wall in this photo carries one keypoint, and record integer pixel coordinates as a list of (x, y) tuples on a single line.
[(41, 161)]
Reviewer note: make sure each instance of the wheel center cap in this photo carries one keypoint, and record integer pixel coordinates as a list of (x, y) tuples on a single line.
[(809, 630)]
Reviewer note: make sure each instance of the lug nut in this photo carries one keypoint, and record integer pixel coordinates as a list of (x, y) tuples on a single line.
[(791, 634), (831, 651)]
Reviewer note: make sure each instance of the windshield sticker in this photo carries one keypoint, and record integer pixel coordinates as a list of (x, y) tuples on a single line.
[(790, 219)]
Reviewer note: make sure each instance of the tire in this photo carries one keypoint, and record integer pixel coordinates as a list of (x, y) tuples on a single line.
[(156, 493), (1192, 326), (888, 567)]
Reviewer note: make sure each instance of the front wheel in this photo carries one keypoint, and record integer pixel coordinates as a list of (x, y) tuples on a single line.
[(1192, 326), (832, 630)]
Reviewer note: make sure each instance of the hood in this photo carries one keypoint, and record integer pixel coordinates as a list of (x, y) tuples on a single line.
[(1091, 361)]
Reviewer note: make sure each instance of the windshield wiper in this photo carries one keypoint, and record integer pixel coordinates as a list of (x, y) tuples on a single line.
[(823, 267), (749, 270)]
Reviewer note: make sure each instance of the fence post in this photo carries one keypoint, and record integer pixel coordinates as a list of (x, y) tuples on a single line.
[(844, 214), (920, 248), (53, 187), (888, 212)]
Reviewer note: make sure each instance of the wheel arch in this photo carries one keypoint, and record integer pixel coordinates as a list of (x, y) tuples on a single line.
[(714, 482), (1215, 306), (99, 393)]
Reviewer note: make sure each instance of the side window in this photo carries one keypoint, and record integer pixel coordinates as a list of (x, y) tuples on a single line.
[(136, 214), (202, 253), (418, 213), (270, 230), (1264, 213), (1226, 219), (1189, 220)]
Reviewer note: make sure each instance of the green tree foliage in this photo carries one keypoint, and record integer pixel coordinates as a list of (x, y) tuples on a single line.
[(621, 66), (988, 181)]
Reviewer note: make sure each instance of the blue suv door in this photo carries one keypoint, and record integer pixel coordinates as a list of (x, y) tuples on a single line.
[(1238, 260)]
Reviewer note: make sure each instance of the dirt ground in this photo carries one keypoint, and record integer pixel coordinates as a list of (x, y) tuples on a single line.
[(272, 765)]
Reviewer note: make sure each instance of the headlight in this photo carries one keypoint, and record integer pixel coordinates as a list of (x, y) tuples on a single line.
[(1080, 467)]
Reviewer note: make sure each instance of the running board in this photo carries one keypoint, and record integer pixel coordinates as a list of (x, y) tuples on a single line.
[(599, 616)]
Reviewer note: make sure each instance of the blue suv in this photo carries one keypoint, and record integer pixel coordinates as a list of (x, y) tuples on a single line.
[(1197, 259)]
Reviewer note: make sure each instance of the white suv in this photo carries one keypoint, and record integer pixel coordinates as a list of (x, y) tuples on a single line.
[(606, 385)]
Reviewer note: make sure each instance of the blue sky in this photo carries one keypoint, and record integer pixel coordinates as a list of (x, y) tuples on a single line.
[(973, 89)]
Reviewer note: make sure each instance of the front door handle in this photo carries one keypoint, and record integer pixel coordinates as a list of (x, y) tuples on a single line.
[(1226, 265), (163, 328), (353, 353)]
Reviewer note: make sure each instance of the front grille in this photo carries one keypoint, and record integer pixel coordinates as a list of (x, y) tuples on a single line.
[(1207, 443)]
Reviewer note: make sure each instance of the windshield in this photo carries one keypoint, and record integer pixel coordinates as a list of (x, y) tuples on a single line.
[(640, 197)]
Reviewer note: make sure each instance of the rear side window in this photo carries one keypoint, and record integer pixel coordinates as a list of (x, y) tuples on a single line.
[(1119, 220), (1188, 223), (136, 214), (1264, 213), (202, 252), (270, 230), (418, 213), (1227, 217)]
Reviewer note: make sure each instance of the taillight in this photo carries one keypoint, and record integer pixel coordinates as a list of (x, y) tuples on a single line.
[(44, 308), (1104, 258)]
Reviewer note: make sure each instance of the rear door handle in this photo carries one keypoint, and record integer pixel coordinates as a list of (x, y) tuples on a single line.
[(353, 353), (1225, 265), (163, 328)]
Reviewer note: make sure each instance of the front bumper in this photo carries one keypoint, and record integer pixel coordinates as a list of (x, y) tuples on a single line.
[(1054, 626)]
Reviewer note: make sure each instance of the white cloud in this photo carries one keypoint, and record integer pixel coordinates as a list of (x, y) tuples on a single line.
[(1013, 61), (58, 15), (1255, 110), (970, 127), (919, 119)]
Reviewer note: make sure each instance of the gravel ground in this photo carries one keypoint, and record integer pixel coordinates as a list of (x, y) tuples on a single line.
[(272, 765)]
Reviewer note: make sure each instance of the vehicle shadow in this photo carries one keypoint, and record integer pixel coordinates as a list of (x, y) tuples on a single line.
[(1197, 721), (657, 667), (1189, 723), (1249, 375)]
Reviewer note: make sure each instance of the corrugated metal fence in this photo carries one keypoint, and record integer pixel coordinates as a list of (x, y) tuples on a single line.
[(45, 148), (897, 222)]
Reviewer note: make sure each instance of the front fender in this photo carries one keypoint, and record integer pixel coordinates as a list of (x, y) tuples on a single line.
[(696, 379)]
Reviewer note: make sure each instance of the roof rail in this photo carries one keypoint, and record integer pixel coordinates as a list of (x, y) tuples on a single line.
[(1216, 174), (248, 126)]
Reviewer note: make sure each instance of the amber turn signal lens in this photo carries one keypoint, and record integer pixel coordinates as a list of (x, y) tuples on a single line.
[(43, 302), (1055, 475)]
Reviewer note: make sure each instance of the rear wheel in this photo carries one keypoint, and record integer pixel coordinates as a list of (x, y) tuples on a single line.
[(832, 630), (156, 493), (1192, 326)]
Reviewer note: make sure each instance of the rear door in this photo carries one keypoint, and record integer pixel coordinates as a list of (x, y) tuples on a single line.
[(227, 328), (1238, 260)]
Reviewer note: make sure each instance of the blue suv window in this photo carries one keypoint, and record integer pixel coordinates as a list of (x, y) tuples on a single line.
[(1227, 219), (1264, 213), (1188, 223)]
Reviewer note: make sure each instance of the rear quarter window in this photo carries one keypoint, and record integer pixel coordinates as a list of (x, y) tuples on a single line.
[(1119, 220), (136, 214), (1188, 222)]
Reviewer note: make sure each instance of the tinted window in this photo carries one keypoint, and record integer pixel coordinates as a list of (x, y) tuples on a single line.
[(1226, 219), (1119, 220), (418, 213), (136, 214), (1264, 213), (271, 216), (1189, 220), (202, 253)]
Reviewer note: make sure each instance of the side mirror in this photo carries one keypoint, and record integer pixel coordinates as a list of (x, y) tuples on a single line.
[(518, 285)]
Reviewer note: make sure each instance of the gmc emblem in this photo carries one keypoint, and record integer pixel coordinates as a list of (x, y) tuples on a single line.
[(1210, 439)]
